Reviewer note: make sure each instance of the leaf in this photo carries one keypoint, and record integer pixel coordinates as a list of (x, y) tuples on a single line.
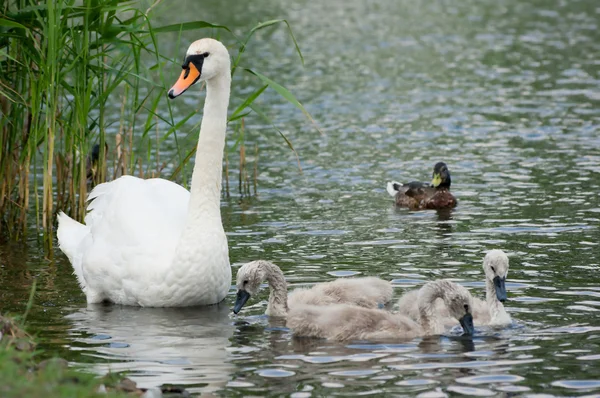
[(180, 165), (262, 25), (275, 22), (179, 27), (287, 141), (3, 53), (11, 24), (285, 93), (233, 119), (247, 102), (176, 126)]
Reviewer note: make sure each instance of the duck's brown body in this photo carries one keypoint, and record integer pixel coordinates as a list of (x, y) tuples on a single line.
[(424, 197), (418, 195)]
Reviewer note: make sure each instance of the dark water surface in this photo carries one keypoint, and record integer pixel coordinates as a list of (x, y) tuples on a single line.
[(506, 92)]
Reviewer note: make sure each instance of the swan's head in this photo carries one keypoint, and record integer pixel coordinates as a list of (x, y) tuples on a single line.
[(441, 176), (205, 59), (459, 302), (249, 278), (495, 266)]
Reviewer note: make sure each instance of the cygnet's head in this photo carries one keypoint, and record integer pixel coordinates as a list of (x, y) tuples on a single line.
[(249, 278), (441, 176), (204, 60), (459, 303), (457, 300), (495, 266)]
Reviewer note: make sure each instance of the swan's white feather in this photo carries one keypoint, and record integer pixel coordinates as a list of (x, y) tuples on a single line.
[(70, 234), (129, 239)]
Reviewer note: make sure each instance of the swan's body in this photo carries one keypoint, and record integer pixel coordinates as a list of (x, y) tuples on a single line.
[(348, 322), (151, 242), (488, 312), (418, 195), (366, 292)]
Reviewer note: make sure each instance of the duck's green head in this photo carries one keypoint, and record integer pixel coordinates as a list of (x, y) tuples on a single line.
[(441, 176)]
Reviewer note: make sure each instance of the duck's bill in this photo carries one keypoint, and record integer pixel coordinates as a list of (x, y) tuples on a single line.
[(437, 180), (241, 298), (500, 284), (188, 77), (467, 324)]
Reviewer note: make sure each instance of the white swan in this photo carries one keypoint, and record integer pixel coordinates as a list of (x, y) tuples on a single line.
[(367, 292), (347, 322), (151, 242), (488, 312)]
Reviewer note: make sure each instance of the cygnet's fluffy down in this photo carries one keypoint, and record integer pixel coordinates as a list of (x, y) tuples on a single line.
[(488, 312), (369, 292), (344, 322), (349, 322)]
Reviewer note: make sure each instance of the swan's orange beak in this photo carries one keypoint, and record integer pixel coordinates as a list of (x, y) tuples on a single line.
[(189, 76)]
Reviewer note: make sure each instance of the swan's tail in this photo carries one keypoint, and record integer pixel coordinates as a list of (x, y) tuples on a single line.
[(393, 187), (70, 234)]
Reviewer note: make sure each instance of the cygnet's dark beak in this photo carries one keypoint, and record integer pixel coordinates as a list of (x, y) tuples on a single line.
[(467, 324), (241, 298), (500, 288)]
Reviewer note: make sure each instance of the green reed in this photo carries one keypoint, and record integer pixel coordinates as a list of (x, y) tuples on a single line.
[(62, 63)]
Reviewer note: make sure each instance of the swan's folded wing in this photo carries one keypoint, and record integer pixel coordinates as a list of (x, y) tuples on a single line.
[(134, 209), (134, 226)]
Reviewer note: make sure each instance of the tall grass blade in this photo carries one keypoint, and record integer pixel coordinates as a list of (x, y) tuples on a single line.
[(285, 93), (260, 113)]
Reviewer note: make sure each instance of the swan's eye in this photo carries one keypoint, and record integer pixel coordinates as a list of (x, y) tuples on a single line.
[(205, 55), (245, 282), (467, 307), (493, 269)]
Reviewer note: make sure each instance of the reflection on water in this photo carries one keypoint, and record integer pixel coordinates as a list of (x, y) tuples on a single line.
[(186, 346), (504, 91)]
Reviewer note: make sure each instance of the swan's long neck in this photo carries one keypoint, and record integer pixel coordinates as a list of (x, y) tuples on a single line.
[(208, 168), (278, 305), (202, 246), (427, 309), (495, 306)]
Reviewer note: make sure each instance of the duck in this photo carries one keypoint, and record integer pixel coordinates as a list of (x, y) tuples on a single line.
[(490, 312), (418, 195), (367, 292), (92, 160), (151, 242), (344, 322)]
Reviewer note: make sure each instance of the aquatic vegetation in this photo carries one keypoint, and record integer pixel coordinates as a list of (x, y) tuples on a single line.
[(75, 75), (13, 335), (25, 373)]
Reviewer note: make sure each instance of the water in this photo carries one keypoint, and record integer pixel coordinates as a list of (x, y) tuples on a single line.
[(505, 92)]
